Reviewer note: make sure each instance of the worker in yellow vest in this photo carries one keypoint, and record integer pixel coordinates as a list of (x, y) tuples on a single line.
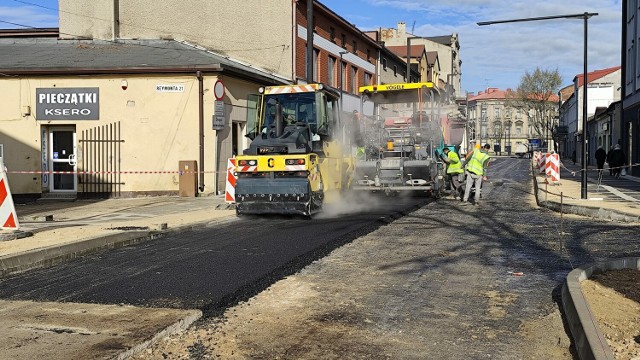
[(476, 172), (454, 170)]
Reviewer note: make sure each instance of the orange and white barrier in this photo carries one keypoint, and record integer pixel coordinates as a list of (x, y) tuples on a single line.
[(552, 167), (8, 217), (536, 158), (539, 161), (230, 187)]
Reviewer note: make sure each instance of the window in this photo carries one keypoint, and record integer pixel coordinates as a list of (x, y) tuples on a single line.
[(395, 70), (316, 75), (344, 41), (353, 81), (384, 64), (369, 55), (343, 74), (331, 71), (367, 79), (332, 34), (497, 113), (354, 44)]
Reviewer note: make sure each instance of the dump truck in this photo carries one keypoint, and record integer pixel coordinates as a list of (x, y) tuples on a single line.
[(298, 158), (400, 139)]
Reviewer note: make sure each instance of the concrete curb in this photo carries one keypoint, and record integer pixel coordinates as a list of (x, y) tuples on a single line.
[(59, 253), (593, 212), (589, 340), (170, 330)]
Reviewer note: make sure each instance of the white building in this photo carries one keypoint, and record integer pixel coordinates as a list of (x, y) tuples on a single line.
[(603, 89)]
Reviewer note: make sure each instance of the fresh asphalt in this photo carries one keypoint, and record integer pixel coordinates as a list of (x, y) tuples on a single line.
[(209, 268)]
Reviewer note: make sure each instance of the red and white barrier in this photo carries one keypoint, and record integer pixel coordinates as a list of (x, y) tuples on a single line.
[(552, 167), (8, 217), (230, 187), (539, 161)]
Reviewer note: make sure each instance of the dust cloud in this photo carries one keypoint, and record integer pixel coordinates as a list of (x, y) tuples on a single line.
[(351, 203)]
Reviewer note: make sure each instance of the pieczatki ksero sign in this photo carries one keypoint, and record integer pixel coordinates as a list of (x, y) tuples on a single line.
[(68, 103)]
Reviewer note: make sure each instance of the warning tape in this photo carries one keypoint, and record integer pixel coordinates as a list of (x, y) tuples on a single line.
[(112, 172), (573, 172)]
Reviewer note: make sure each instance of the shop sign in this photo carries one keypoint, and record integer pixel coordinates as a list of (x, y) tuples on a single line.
[(68, 104)]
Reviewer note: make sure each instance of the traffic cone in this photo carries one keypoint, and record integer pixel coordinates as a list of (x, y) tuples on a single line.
[(8, 217)]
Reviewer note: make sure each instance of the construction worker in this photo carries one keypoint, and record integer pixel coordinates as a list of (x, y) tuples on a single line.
[(475, 170), (454, 171)]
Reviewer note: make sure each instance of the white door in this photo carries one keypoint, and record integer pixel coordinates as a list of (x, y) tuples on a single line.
[(62, 161)]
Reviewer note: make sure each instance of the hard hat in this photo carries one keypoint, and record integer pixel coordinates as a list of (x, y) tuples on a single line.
[(477, 146)]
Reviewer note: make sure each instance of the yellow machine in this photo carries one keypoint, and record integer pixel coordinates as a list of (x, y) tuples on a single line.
[(298, 157), (399, 139)]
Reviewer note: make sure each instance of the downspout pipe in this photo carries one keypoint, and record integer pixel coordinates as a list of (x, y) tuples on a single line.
[(310, 27), (115, 26), (201, 128)]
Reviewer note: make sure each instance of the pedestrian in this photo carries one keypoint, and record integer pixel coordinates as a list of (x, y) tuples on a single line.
[(454, 171), (601, 157), (616, 160), (475, 170)]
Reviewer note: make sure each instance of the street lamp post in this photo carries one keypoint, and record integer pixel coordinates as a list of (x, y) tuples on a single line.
[(409, 56), (585, 16), (341, 70)]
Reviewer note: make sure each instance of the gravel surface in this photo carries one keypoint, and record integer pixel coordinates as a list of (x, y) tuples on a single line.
[(447, 281)]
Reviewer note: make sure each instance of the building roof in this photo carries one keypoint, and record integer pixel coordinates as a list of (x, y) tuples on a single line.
[(497, 94), (22, 56), (34, 32), (566, 92), (416, 51), (443, 39), (595, 75), (432, 57), (490, 94)]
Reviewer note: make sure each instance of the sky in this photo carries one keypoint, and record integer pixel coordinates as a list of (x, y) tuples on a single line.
[(494, 56)]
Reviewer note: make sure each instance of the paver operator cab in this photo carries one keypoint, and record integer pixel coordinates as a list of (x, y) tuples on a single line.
[(399, 140), (298, 158)]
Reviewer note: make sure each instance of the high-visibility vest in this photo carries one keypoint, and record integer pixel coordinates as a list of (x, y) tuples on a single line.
[(477, 161), (454, 167)]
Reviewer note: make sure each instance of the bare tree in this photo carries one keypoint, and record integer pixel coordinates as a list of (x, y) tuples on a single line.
[(536, 96)]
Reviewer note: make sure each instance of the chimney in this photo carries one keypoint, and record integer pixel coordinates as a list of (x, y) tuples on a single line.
[(402, 29)]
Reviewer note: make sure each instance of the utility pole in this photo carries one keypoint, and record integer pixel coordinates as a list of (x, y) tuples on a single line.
[(409, 56)]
